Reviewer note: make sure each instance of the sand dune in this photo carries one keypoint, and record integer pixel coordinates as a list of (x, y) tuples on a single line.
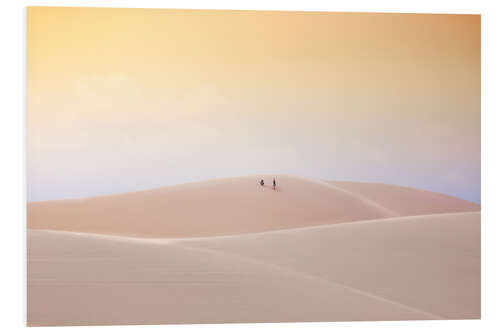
[(405, 201), (429, 262), (232, 206), (231, 251), (391, 269), (84, 280)]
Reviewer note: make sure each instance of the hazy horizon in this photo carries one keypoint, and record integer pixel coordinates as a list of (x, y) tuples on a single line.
[(120, 100)]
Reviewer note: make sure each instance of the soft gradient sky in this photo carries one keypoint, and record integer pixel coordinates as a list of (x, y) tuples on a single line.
[(127, 99)]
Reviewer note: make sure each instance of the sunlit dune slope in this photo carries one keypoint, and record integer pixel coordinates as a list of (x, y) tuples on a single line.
[(407, 201), (428, 262), (84, 279), (219, 207), (424, 267)]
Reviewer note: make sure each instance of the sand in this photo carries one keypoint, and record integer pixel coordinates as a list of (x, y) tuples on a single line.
[(231, 251), (405, 201), (233, 206)]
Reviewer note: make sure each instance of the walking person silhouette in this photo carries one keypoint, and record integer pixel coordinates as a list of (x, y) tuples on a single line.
[(274, 183)]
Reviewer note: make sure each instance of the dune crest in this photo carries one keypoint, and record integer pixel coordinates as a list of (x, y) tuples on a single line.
[(234, 206), (389, 269), (232, 251), (407, 201)]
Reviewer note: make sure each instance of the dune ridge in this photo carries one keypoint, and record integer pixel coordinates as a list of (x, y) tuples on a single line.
[(317, 251), (405, 201), (233, 205)]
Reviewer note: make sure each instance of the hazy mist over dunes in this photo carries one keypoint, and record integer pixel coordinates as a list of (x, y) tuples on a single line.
[(121, 100)]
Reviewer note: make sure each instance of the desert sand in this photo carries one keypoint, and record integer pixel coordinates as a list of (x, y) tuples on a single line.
[(229, 250)]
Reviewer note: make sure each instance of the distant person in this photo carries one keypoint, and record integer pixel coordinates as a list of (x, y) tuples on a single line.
[(274, 183), (261, 182)]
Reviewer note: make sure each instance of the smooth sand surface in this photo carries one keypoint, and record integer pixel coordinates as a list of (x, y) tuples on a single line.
[(84, 280), (406, 201), (429, 262), (293, 264), (231, 206)]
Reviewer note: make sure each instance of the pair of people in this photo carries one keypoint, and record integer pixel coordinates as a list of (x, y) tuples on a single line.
[(274, 183)]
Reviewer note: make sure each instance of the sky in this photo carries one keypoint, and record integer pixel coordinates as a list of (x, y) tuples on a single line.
[(120, 100)]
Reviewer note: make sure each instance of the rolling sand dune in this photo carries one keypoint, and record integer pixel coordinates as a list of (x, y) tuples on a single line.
[(80, 279), (232, 205), (406, 201), (436, 257), (207, 254)]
